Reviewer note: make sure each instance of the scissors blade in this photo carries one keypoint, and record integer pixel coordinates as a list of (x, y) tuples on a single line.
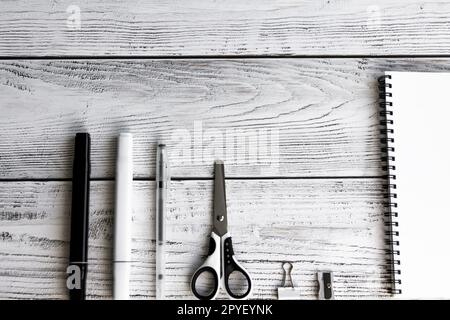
[(220, 202)]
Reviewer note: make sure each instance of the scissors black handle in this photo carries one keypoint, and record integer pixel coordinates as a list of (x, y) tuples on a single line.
[(232, 265), (220, 263), (211, 265)]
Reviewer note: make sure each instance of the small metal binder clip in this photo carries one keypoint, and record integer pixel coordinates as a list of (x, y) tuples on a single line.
[(325, 279), (288, 291)]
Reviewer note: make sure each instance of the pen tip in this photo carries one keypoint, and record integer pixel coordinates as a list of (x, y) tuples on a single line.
[(218, 162), (82, 134)]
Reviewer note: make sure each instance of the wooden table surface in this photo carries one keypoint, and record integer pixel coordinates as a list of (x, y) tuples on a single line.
[(284, 91)]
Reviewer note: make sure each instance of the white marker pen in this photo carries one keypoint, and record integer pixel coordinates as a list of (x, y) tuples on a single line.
[(122, 220)]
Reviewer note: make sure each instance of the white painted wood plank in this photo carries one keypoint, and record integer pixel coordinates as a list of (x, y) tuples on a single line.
[(234, 27), (310, 117), (317, 224)]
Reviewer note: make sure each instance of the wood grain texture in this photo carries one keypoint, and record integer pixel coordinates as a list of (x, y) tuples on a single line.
[(264, 117), (317, 224), (234, 27)]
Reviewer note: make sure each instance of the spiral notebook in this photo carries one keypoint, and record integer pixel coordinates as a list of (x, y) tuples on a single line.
[(415, 129)]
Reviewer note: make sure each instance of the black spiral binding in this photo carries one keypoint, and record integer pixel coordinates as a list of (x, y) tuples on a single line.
[(388, 160)]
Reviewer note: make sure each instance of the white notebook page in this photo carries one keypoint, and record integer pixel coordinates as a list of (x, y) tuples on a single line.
[(421, 106)]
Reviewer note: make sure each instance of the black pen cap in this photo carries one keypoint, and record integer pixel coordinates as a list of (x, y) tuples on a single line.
[(82, 156), (79, 222)]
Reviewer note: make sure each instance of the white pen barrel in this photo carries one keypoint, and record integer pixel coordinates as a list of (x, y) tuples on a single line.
[(122, 221), (121, 290)]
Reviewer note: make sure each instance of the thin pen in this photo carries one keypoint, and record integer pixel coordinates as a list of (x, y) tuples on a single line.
[(162, 184)]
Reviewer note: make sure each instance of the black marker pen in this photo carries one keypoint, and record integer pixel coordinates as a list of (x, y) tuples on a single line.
[(79, 226)]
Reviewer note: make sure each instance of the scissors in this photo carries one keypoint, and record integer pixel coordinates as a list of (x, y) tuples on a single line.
[(221, 262)]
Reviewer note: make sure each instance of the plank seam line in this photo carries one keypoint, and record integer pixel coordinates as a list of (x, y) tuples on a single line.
[(220, 57), (6, 180)]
